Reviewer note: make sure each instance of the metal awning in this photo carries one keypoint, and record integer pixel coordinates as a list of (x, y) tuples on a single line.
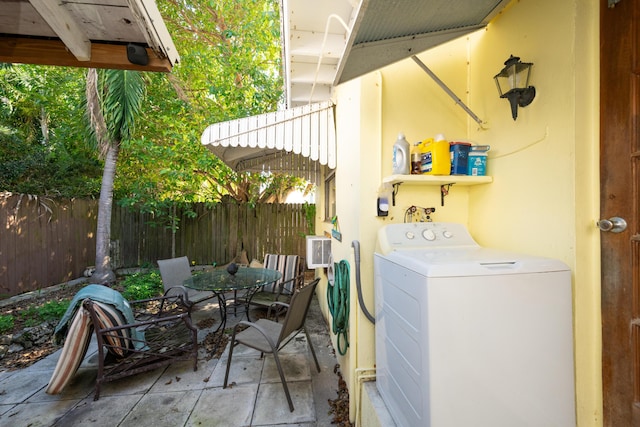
[(294, 141)]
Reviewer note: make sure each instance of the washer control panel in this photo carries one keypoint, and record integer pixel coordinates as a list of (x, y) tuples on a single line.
[(422, 235)]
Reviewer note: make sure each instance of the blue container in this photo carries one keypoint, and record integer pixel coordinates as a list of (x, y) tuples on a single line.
[(477, 161), (459, 152)]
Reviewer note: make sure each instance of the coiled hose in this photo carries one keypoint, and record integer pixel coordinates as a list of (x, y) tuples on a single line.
[(338, 301)]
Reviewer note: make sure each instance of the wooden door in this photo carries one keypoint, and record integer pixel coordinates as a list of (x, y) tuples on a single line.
[(620, 156)]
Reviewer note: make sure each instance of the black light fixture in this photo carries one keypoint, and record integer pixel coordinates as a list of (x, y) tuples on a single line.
[(137, 54), (513, 83)]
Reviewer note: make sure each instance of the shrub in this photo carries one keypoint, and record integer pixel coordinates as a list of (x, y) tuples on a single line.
[(51, 310), (142, 285), (6, 323)]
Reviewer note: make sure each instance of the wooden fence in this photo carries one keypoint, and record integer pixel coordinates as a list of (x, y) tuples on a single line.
[(45, 242)]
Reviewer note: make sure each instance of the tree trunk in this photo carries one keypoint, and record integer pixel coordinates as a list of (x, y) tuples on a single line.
[(103, 273)]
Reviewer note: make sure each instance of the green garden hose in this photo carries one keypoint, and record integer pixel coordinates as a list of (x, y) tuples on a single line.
[(338, 301)]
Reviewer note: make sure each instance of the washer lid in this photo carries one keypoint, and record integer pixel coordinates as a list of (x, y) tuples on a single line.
[(478, 261)]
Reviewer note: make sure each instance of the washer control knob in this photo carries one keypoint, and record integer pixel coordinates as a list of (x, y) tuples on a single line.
[(447, 234), (429, 235), (410, 235)]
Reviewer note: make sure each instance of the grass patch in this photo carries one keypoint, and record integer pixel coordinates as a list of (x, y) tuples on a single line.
[(52, 310), (6, 323), (142, 285)]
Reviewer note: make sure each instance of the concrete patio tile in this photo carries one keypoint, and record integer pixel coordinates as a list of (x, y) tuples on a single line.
[(22, 385), (81, 386), (48, 364), (163, 409), (181, 377), (220, 407), (135, 384), (42, 414), (243, 370), (297, 345), (239, 350), (6, 374), (295, 367), (109, 411), (5, 408), (272, 407), (310, 424), (178, 396)]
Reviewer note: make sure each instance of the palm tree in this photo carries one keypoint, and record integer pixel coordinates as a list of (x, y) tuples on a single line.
[(114, 99)]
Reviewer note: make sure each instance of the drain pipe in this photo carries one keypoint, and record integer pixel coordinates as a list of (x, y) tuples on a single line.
[(362, 375), (356, 250)]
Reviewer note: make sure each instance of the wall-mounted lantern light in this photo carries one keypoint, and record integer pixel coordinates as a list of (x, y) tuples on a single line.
[(513, 83)]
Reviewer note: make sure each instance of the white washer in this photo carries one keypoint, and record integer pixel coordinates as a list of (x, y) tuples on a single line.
[(468, 336)]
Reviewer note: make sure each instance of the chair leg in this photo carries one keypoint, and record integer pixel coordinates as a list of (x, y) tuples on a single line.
[(284, 381), (231, 345), (313, 352)]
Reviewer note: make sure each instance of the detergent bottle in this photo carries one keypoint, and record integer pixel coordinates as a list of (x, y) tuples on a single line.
[(401, 156), (436, 159), (416, 158)]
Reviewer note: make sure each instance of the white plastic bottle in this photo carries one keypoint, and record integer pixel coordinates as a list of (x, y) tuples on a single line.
[(401, 159)]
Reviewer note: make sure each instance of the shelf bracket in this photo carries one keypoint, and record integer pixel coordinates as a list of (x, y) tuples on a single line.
[(396, 186), (447, 90), (444, 191)]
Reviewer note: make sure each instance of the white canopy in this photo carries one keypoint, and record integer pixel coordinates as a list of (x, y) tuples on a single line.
[(288, 141)]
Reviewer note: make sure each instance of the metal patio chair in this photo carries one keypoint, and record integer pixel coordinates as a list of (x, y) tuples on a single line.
[(268, 336), (174, 271), (292, 269)]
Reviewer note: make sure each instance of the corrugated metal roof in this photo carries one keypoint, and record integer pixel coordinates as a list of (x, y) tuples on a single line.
[(388, 31), (330, 42)]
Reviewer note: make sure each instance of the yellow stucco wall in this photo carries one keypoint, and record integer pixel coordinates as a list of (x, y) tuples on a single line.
[(544, 197)]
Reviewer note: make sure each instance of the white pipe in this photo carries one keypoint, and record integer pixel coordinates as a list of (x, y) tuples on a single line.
[(324, 41), (362, 375)]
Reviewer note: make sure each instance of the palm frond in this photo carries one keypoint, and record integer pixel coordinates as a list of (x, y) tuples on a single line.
[(123, 96)]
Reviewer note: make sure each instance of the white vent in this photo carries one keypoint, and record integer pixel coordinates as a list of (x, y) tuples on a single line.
[(318, 251)]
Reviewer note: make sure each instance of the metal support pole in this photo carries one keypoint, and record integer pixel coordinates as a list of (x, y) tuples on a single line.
[(446, 89)]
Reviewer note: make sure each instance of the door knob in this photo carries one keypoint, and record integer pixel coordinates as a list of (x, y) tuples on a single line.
[(614, 224)]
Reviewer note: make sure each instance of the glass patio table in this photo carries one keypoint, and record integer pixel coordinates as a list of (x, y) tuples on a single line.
[(221, 282)]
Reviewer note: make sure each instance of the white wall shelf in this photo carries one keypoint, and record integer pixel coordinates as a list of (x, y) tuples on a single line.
[(441, 180), (437, 179)]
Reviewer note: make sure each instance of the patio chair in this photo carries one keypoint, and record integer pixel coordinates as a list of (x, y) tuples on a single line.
[(126, 345), (292, 269), (174, 271), (268, 336)]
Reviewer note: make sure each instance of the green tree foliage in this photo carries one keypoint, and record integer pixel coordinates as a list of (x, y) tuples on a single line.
[(229, 68), (42, 134)]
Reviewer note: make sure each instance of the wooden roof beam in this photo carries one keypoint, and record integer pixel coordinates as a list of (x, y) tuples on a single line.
[(54, 52), (65, 26)]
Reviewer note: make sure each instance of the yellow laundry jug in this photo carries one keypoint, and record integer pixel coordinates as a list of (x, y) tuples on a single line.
[(436, 159)]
